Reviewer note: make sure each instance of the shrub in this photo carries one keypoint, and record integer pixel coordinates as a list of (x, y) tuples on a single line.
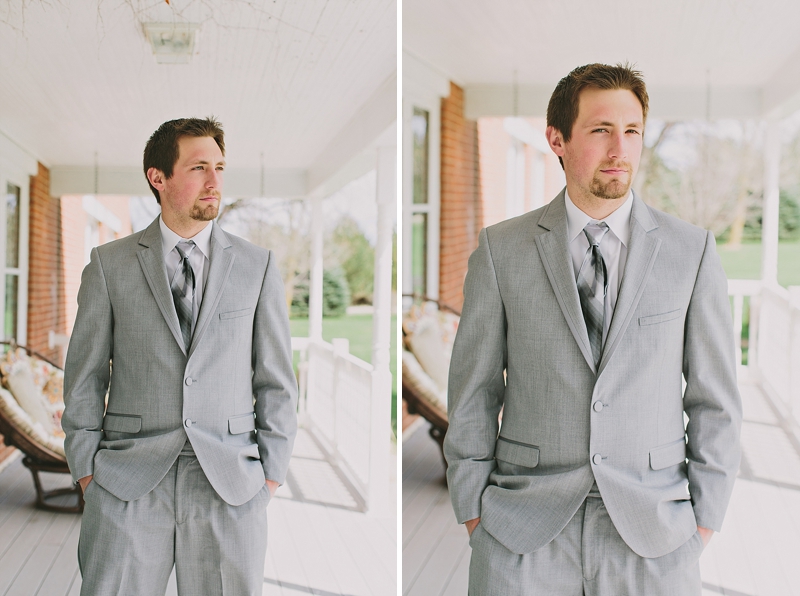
[(335, 295)]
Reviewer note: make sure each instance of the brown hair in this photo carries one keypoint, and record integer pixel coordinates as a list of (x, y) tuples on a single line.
[(562, 111), (161, 151)]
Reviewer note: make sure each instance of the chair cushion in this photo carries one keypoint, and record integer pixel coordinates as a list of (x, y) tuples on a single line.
[(429, 350), (20, 382), (23, 422), (421, 384), (429, 334), (39, 390)]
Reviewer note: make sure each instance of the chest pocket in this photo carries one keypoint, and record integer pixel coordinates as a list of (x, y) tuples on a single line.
[(235, 314)]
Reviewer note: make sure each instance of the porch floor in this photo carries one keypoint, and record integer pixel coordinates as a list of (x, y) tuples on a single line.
[(756, 554), (319, 543)]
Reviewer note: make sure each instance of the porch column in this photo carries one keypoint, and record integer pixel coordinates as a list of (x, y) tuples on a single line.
[(769, 220), (315, 283), (379, 497)]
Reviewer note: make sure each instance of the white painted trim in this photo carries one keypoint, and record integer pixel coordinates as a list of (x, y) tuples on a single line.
[(17, 165), (521, 129), (432, 208), (98, 211), (359, 165), (24, 264), (770, 228), (422, 79), (14, 157), (22, 180), (369, 122), (315, 294), (424, 86), (781, 94)]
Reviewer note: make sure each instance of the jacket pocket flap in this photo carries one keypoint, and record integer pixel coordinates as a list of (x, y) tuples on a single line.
[(241, 424), (662, 318), (516, 453), (235, 313), (122, 423), (668, 455)]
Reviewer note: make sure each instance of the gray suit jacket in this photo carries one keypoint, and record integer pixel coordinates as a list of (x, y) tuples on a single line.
[(522, 316), (233, 394)]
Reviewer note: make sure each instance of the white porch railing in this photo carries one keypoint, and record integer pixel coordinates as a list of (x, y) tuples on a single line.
[(773, 342), (336, 404)]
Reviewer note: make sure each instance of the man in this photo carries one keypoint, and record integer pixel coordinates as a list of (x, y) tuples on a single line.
[(579, 321), (186, 328)]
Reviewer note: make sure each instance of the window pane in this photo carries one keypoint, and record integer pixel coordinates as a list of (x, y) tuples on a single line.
[(419, 253), (12, 226), (419, 131), (10, 327)]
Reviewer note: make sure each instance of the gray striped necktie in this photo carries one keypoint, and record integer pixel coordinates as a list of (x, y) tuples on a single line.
[(593, 287), (183, 286)]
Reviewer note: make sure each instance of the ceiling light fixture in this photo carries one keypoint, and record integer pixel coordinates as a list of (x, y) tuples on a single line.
[(172, 43)]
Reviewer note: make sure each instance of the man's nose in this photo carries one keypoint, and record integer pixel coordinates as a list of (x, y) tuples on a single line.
[(617, 148), (214, 179)]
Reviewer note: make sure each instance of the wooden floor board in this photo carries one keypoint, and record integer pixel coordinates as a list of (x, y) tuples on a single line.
[(34, 571), (61, 573)]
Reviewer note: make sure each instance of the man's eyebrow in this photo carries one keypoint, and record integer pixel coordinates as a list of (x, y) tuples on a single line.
[(637, 124), (204, 162)]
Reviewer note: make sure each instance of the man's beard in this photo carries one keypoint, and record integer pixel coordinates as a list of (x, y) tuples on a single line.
[(207, 213), (613, 189)]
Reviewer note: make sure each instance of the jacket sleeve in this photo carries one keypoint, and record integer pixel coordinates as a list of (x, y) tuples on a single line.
[(711, 398), (476, 385), (274, 383), (87, 370)]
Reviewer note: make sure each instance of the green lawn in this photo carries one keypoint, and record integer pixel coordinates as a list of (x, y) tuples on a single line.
[(745, 262), (357, 329)]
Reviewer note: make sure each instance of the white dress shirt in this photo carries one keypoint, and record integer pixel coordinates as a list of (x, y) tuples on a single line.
[(613, 247), (198, 259)]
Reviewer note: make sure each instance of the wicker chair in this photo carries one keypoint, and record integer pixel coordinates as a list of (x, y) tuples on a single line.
[(39, 457), (417, 400)]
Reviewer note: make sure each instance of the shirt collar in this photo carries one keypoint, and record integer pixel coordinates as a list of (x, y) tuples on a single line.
[(169, 239), (618, 222)]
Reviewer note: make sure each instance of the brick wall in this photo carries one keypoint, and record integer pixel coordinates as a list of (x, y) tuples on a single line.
[(45, 279), (460, 208)]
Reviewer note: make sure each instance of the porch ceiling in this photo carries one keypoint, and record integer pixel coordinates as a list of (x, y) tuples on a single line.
[(286, 78), (747, 51)]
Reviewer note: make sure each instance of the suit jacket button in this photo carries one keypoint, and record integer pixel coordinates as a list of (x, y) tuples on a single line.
[(597, 459), (189, 381), (188, 423), (598, 405)]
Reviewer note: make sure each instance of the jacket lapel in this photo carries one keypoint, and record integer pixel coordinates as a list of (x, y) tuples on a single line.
[(642, 254), (155, 272), (554, 251), (220, 263)]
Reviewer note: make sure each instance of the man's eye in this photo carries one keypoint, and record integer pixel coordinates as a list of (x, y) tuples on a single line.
[(634, 131), (600, 130)]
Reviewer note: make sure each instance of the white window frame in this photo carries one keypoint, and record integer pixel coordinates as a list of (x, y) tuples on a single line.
[(16, 168), (423, 88)]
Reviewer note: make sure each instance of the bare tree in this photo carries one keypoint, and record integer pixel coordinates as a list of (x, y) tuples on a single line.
[(283, 226), (716, 188)]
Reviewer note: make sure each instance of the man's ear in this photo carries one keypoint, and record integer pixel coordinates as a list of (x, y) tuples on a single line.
[(556, 140), (156, 178)]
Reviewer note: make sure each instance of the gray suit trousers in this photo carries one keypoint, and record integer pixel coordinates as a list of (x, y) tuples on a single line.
[(129, 547), (588, 558)]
